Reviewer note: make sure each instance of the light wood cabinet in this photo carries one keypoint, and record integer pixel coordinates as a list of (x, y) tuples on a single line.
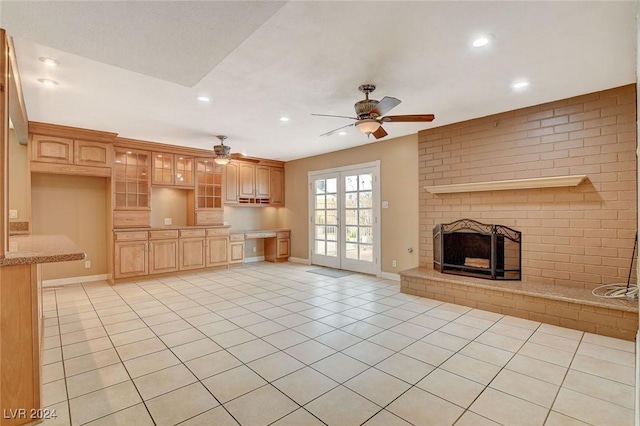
[(205, 202), (217, 251), (236, 249), (253, 184), (163, 251), (50, 149), (231, 184), (246, 180), (130, 259), (278, 249), (276, 179), (192, 253), (131, 189), (97, 156), (172, 170)]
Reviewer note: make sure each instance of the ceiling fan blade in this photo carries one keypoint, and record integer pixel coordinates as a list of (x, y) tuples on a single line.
[(409, 118), (380, 133), (335, 130), (337, 116), (385, 105)]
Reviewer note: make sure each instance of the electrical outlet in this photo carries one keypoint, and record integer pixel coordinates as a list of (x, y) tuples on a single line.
[(385, 204), (13, 214), (167, 221), (394, 264), (87, 264), (254, 249)]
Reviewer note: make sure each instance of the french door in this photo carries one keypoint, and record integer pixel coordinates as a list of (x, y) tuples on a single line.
[(344, 230)]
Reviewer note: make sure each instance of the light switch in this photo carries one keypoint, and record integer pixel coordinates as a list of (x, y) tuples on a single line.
[(385, 204), (13, 214)]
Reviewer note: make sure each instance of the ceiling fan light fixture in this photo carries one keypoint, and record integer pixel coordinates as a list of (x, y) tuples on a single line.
[(368, 125), (221, 153)]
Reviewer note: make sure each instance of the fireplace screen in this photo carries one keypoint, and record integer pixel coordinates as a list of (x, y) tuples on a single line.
[(468, 247)]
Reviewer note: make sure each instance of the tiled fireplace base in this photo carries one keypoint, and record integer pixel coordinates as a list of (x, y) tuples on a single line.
[(557, 305)]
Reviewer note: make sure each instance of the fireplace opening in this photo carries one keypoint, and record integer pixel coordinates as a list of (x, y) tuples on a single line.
[(468, 247)]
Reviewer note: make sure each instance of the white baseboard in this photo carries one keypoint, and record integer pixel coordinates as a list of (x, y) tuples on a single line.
[(253, 259), (390, 276), (73, 280), (300, 260)]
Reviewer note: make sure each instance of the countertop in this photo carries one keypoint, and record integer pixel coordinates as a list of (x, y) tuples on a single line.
[(170, 228), (29, 249), (258, 231)]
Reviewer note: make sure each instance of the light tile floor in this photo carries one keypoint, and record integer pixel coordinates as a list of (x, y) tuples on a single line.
[(273, 344)]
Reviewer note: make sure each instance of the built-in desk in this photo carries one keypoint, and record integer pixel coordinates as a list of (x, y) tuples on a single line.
[(277, 243), (21, 322)]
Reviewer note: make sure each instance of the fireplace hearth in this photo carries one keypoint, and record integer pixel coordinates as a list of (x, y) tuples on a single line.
[(468, 247)]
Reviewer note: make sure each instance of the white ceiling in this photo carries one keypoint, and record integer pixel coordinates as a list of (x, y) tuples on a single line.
[(135, 68)]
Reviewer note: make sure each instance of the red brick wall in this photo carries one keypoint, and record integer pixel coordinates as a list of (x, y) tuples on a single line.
[(580, 236)]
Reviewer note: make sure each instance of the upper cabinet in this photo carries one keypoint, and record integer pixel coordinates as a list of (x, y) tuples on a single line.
[(206, 200), (172, 170), (251, 184), (69, 150), (131, 188)]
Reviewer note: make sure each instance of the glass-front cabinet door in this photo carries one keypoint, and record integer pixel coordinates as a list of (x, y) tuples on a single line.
[(208, 185), (131, 180)]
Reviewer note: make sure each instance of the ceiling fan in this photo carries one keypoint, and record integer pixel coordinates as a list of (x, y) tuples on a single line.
[(371, 114)]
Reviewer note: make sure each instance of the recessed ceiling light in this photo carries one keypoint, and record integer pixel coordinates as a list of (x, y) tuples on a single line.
[(480, 41), (342, 133), (203, 98), (49, 61), (284, 118), (520, 84), (47, 82)]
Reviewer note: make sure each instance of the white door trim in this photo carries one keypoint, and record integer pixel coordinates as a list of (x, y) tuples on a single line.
[(377, 243)]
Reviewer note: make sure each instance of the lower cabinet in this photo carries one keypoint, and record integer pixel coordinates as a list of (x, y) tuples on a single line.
[(163, 256), (277, 249), (130, 259), (217, 251), (192, 253), (236, 248)]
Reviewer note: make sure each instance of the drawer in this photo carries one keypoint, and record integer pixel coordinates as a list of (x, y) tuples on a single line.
[(253, 235), (209, 217), (284, 234), (236, 237), (192, 233), (212, 232), (130, 219), (131, 236), (162, 235)]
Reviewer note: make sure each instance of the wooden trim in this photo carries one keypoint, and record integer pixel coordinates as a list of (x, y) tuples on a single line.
[(17, 109), (70, 132), (501, 185), (69, 169), (162, 147), (257, 161)]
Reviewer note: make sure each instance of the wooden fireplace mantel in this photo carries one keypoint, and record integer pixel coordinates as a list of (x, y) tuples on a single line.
[(500, 185)]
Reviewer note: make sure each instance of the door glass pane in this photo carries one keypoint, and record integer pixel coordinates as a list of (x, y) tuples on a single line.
[(332, 185), (351, 217), (366, 182), (332, 249), (320, 186), (366, 253), (320, 247), (321, 217), (364, 199), (331, 201), (352, 234), (366, 234), (351, 251), (350, 183), (350, 200), (365, 217), (320, 202), (320, 234), (332, 217), (332, 233)]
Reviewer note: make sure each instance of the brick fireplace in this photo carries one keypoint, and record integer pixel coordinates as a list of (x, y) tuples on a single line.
[(578, 236)]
